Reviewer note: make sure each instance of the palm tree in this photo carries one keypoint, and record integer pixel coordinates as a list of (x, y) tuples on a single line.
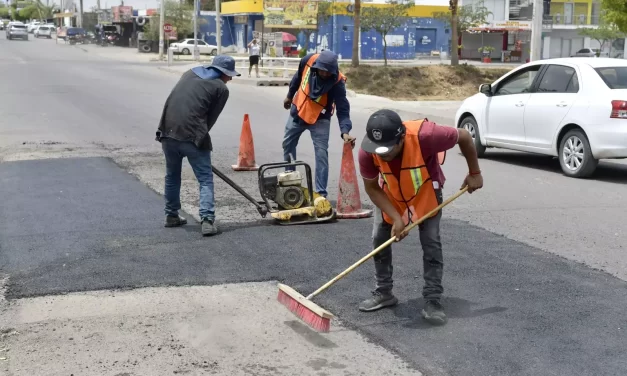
[(45, 11)]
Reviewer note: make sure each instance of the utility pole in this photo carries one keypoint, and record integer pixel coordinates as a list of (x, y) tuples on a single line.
[(81, 14), (536, 30), (196, 52), (219, 28), (161, 32)]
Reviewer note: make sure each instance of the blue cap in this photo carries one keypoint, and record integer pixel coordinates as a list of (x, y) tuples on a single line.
[(225, 64)]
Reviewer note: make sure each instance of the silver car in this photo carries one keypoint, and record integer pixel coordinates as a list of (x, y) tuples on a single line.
[(17, 31), (585, 52)]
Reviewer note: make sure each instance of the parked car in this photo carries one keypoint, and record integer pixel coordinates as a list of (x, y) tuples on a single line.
[(572, 108), (186, 47), (585, 52), (16, 30), (33, 25), (43, 31)]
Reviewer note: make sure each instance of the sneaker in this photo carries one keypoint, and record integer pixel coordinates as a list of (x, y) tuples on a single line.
[(208, 227), (379, 300), (177, 221), (433, 312)]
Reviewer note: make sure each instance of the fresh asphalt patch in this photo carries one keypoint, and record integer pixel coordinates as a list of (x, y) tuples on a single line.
[(85, 224)]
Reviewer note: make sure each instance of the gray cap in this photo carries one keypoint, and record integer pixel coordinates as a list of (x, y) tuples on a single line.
[(225, 64)]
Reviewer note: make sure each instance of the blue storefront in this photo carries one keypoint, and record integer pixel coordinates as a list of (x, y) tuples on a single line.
[(415, 37)]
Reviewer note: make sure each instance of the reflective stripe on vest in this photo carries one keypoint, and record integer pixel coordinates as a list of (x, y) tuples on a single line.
[(310, 109), (412, 195)]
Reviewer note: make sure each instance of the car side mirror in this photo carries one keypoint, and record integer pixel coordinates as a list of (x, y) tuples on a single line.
[(486, 89)]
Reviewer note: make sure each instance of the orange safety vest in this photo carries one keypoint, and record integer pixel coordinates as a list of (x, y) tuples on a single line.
[(413, 196), (309, 109)]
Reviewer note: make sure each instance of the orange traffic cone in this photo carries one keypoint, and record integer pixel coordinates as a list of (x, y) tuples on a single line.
[(246, 157), (349, 201)]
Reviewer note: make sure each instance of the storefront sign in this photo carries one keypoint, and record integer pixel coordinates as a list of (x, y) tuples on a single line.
[(241, 19), (512, 25), (504, 26), (295, 14)]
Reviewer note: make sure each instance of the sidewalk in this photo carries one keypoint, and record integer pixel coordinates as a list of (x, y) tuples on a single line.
[(264, 80)]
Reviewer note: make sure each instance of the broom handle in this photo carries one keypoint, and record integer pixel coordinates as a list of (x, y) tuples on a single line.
[(387, 243)]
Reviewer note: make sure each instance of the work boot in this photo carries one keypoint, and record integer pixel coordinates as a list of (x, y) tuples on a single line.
[(433, 312), (208, 227), (177, 221), (379, 300)]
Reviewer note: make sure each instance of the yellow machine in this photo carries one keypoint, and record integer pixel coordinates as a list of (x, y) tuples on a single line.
[(293, 202)]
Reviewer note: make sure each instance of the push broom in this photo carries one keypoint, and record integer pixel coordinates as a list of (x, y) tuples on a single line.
[(319, 318)]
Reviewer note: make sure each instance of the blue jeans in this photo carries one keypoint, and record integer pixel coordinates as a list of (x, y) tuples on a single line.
[(320, 135), (200, 160)]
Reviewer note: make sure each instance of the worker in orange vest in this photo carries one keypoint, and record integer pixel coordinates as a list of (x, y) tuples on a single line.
[(314, 93), (399, 165)]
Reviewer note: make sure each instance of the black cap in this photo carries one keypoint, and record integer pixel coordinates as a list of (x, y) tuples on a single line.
[(384, 130)]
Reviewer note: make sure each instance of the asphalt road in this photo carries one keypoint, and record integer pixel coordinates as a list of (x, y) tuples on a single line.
[(84, 224)]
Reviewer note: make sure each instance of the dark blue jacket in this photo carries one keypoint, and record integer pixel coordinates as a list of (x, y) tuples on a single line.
[(336, 94)]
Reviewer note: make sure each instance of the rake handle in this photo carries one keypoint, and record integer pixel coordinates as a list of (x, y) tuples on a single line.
[(387, 243)]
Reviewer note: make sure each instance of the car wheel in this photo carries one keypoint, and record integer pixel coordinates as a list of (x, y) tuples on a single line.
[(185, 51), (470, 124), (214, 52), (576, 156)]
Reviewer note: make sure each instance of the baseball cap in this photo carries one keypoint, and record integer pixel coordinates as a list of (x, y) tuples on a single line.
[(383, 130), (225, 64)]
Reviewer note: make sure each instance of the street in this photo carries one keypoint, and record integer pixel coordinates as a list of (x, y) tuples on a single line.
[(535, 262)]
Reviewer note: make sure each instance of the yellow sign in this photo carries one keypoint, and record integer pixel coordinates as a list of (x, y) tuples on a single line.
[(302, 14)]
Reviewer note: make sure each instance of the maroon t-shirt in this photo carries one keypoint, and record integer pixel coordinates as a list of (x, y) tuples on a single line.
[(433, 139)]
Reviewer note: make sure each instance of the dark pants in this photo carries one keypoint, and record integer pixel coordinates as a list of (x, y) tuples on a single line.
[(200, 160), (433, 263)]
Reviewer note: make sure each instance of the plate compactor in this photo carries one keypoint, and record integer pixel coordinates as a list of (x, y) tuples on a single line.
[(294, 203)]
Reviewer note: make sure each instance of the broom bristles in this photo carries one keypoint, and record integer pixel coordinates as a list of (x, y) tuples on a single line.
[(308, 316)]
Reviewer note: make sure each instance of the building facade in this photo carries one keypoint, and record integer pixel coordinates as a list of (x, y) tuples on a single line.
[(508, 29), (420, 33)]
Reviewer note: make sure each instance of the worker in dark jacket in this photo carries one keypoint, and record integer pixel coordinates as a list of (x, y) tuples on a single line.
[(314, 93), (189, 113)]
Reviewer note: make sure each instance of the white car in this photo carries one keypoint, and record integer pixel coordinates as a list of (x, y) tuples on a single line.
[(186, 47), (31, 26), (43, 31), (572, 108)]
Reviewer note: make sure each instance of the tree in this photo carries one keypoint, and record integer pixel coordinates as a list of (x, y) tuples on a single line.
[(356, 33), (385, 19), (461, 20), (180, 16), (4, 13), (616, 13), (606, 32)]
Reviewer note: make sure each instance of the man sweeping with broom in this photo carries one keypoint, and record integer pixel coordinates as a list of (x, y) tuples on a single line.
[(405, 154), (399, 165)]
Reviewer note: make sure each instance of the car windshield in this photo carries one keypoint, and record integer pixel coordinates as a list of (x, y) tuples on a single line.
[(19, 27), (43, 28), (614, 77)]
